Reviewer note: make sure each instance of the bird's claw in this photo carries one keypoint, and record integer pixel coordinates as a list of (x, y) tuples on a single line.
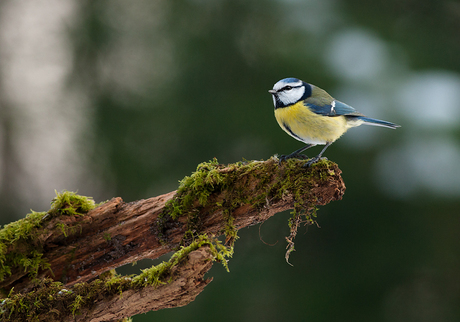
[(312, 161), (283, 157)]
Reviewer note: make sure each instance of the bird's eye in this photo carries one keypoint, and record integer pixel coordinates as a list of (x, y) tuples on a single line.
[(287, 88)]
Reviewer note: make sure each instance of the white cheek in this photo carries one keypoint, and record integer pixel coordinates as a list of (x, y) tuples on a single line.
[(284, 98), (292, 96)]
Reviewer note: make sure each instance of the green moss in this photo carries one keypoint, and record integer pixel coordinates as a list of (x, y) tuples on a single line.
[(76, 304), (156, 274), (51, 300), (107, 237), (193, 192), (62, 227), (225, 188), (70, 204), (197, 187), (20, 245), (12, 235), (305, 210), (230, 231), (69, 230), (220, 187)]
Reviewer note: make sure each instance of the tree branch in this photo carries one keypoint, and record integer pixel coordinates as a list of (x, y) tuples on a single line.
[(215, 200)]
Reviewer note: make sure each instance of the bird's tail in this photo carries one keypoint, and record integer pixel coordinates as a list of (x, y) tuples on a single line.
[(375, 122)]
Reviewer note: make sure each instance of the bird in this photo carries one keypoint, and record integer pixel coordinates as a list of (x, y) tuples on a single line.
[(309, 114)]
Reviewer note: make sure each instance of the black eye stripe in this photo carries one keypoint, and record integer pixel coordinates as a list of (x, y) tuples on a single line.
[(288, 87)]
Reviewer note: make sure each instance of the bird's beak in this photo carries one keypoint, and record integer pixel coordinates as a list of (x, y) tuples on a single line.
[(272, 91)]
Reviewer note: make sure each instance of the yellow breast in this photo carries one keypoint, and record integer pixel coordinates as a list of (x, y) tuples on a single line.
[(304, 125)]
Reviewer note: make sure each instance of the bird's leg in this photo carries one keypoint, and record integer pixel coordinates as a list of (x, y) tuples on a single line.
[(318, 157), (296, 154)]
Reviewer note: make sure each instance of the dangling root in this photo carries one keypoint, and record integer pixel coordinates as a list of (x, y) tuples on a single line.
[(294, 223)]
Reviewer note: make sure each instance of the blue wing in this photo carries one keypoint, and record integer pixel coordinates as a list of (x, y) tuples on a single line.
[(336, 108)]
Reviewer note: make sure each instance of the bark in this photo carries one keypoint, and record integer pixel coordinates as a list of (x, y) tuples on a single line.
[(118, 233), (183, 289)]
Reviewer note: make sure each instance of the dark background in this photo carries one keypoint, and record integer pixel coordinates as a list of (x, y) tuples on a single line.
[(125, 98)]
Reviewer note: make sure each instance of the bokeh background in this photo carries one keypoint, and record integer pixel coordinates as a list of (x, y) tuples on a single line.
[(124, 98)]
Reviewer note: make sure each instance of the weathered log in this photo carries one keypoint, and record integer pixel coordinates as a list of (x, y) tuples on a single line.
[(77, 246)]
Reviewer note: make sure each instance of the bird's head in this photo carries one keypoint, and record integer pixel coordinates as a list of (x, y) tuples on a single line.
[(289, 91)]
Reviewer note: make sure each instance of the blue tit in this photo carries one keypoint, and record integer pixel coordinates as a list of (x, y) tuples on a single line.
[(309, 114)]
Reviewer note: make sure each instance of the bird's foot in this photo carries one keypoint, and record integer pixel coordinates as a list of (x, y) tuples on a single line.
[(283, 157), (312, 161)]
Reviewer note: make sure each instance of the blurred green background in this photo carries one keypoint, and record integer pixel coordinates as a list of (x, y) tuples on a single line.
[(124, 98)]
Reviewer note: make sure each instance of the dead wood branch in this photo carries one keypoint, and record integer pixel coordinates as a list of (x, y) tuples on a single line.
[(215, 200)]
